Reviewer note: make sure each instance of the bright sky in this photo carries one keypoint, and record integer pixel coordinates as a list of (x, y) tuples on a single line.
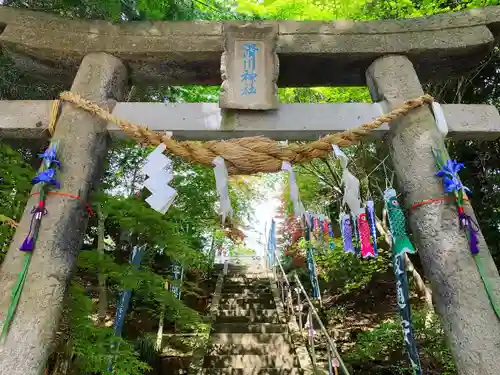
[(265, 210)]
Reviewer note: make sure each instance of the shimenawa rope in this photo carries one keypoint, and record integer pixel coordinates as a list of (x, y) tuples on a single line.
[(247, 155)]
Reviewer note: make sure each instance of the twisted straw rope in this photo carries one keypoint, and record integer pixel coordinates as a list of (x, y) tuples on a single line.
[(247, 155)]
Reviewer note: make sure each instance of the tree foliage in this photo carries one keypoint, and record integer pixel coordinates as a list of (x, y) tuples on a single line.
[(190, 234)]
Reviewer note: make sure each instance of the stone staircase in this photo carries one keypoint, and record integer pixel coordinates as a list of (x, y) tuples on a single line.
[(247, 336)]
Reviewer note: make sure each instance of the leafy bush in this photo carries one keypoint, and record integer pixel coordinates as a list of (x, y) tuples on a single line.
[(94, 347), (385, 344)]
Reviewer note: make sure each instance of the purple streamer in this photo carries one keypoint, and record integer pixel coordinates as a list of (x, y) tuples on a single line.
[(472, 229), (346, 229)]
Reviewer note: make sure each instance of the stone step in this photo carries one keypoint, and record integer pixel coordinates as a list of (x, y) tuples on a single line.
[(246, 303), (250, 281), (245, 270), (246, 319), (247, 279), (248, 292), (241, 269), (249, 328), (248, 274), (281, 349), (246, 288), (251, 371), (250, 339), (263, 296), (250, 361), (246, 312), (254, 293)]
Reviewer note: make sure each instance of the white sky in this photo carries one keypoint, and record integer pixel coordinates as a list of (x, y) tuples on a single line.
[(265, 210)]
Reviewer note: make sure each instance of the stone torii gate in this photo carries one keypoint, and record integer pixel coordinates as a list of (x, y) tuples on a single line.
[(391, 57)]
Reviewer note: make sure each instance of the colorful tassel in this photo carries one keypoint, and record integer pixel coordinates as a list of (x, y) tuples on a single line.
[(44, 179), (364, 237), (346, 230), (37, 213), (448, 171), (397, 222), (370, 209), (471, 230)]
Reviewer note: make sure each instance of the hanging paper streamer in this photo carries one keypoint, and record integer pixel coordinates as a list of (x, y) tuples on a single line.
[(356, 234), (361, 228), (330, 234), (351, 184), (178, 274), (310, 221), (441, 123), (401, 244), (311, 265), (370, 209), (221, 182), (346, 230), (317, 225), (159, 169), (364, 237), (271, 244), (448, 171), (298, 208), (124, 300), (397, 223), (405, 311), (45, 178)]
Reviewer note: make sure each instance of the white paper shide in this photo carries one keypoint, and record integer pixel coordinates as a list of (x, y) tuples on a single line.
[(158, 168), (351, 184), (221, 181), (298, 207)]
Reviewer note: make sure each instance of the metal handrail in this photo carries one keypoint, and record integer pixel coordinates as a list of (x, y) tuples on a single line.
[(332, 344), (288, 301)]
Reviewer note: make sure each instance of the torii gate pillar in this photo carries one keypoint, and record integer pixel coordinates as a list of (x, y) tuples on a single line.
[(100, 78), (471, 327)]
